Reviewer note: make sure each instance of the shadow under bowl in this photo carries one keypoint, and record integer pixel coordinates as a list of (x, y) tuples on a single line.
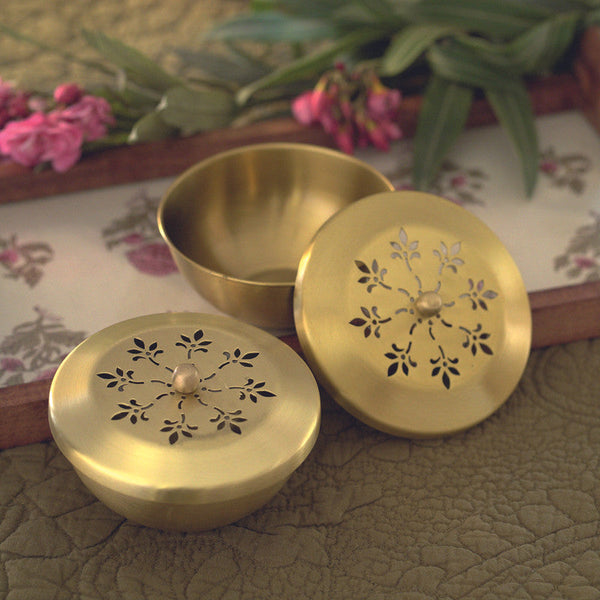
[(238, 222)]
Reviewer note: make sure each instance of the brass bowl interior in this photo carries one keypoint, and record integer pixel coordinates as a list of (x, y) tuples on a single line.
[(250, 213)]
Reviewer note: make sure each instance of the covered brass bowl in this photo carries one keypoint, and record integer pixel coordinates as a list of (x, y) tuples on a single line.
[(238, 223), (184, 421)]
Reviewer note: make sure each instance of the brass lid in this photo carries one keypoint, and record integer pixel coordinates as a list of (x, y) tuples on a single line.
[(412, 314), (184, 408)]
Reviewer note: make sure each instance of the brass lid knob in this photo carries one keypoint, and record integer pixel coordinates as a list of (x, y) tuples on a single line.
[(186, 378), (428, 304)]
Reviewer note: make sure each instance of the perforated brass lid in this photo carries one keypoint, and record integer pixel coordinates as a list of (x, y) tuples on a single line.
[(184, 408), (412, 314)]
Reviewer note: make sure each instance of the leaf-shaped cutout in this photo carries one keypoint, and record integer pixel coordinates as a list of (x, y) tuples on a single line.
[(106, 375), (375, 266), (391, 355), (119, 416), (489, 294), (435, 371), (485, 348), (139, 343), (198, 334), (454, 370), (186, 433), (134, 351), (153, 346), (250, 355), (362, 266), (186, 339), (364, 279), (367, 331), (446, 380), (235, 428), (220, 425), (112, 384), (133, 419), (165, 429), (403, 236), (405, 368), (392, 369), (266, 394), (173, 437)]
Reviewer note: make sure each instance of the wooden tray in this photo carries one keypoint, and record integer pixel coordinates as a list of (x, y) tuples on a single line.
[(559, 315)]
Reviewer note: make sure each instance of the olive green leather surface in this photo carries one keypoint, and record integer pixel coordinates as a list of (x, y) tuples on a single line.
[(508, 509)]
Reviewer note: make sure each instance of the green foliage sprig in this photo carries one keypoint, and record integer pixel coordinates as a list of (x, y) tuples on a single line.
[(451, 51)]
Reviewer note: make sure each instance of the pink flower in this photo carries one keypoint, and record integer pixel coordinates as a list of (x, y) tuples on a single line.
[(354, 108), (67, 93), (91, 115), (458, 181), (585, 262), (10, 256), (11, 364), (152, 259), (41, 138), (133, 238), (549, 166)]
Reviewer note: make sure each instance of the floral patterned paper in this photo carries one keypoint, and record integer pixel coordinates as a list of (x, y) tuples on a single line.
[(93, 259)]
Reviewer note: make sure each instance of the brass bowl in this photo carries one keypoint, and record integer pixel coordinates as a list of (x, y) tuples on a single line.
[(238, 223)]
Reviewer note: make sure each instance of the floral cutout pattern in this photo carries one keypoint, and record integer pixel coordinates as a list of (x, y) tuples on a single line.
[(426, 329), (24, 261), (581, 258), (34, 349), (137, 233), (211, 407)]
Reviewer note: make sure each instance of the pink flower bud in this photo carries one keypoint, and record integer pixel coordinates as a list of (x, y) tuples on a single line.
[(67, 93), (344, 140), (302, 108), (377, 136)]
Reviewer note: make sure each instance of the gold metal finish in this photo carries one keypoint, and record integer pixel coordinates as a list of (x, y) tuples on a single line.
[(123, 412), (186, 378), (428, 304), (412, 314), (238, 223)]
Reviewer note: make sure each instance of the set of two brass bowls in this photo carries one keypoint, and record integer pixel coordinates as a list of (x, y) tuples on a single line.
[(238, 223)]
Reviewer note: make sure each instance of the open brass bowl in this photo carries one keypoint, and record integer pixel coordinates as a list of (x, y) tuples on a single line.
[(238, 223)]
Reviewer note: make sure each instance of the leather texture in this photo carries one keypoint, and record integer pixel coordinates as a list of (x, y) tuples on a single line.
[(508, 509)]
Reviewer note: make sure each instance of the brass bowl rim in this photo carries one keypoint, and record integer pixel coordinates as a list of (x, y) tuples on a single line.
[(282, 146)]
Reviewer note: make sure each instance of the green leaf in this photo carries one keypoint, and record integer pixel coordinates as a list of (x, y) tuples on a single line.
[(408, 45), (271, 26), (441, 120), (495, 18), (513, 109), (137, 66), (309, 65), (192, 109), (535, 51), (231, 68), (464, 65), (149, 128)]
